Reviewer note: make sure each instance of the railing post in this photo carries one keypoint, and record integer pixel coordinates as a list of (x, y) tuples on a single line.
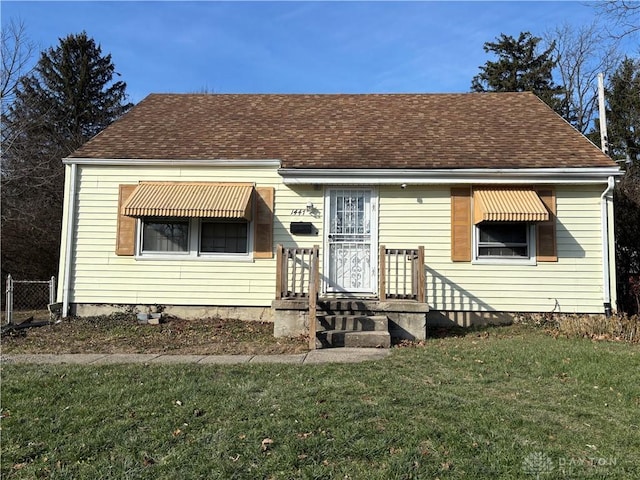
[(9, 299), (279, 272), (286, 254), (405, 255), (294, 271), (52, 290), (382, 281), (313, 296), (395, 252), (317, 275), (302, 256), (421, 292)]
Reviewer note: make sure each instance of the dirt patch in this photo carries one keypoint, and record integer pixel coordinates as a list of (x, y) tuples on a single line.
[(121, 333)]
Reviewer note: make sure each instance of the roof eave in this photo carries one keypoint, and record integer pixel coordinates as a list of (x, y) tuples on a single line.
[(164, 162), (293, 176), (391, 176)]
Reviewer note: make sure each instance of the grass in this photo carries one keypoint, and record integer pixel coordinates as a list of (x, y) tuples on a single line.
[(502, 403)]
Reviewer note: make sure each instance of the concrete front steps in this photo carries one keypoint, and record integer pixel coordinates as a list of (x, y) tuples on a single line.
[(405, 319), (352, 331)]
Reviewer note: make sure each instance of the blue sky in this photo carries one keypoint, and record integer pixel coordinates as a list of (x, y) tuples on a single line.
[(293, 47)]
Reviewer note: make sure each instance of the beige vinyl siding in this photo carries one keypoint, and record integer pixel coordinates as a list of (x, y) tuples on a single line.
[(421, 216), (100, 276), (407, 218)]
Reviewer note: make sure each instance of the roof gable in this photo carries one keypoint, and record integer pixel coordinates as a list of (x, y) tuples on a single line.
[(426, 131)]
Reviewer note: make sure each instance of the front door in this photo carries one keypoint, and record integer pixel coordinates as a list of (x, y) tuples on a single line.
[(351, 240)]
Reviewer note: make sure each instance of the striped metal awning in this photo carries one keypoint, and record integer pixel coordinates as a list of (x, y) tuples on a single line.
[(508, 205), (181, 199)]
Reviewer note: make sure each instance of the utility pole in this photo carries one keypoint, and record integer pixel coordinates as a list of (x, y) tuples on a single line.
[(604, 140)]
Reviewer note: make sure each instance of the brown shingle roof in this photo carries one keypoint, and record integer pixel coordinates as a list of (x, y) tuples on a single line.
[(469, 130)]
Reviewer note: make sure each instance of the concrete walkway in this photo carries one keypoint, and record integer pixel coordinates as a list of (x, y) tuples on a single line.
[(330, 355)]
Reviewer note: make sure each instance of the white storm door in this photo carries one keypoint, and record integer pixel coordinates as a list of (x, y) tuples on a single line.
[(351, 240)]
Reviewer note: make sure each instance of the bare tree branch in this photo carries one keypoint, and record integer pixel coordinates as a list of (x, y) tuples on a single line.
[(17, 51), (581, 54), (625, 15)]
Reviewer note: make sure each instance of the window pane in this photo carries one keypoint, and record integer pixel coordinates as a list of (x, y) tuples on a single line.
[(165, 236), (506, 240), (503, 232), (224, 237)]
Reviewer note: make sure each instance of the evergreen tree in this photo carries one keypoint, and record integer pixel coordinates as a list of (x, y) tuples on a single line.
[(627, 229), (623, 131), (623, 111), (69, 97), (519, 68)]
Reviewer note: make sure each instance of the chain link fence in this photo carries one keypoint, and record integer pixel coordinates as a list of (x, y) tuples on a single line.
[(28, 300)]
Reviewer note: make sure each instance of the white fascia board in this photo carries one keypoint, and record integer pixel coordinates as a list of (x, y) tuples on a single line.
[(159, 162), (295, 176)]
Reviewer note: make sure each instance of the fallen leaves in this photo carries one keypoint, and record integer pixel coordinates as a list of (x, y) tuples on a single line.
[(266, 444), (120, 333), (446, 466)]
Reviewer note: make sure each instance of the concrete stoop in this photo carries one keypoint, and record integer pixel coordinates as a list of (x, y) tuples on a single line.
[(352, 338), (368, 331), (352, 321)]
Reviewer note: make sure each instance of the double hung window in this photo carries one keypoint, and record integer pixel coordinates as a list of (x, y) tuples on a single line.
[(194, 237), (503, 240)]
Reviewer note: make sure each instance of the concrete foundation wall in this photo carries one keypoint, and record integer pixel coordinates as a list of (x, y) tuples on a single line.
[(291, 318), (468, 319), (188, 312)]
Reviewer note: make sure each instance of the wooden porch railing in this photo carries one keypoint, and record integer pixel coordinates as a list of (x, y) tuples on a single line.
[(298, 276), (295, 269), (401, 277), (401, 274)]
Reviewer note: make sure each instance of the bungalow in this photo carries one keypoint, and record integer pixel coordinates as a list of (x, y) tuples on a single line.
[(438, 208)]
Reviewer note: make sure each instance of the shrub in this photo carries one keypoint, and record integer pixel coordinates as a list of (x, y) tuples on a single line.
[(599, 327)]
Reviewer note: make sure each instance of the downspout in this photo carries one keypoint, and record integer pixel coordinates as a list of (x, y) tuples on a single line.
[(604, 218), (71, 216), (604, 211)]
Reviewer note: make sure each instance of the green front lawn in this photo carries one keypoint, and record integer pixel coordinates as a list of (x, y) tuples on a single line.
[(505, 403)]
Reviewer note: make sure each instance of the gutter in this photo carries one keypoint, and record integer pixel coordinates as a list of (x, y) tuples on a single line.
[(165, 162), (333, 176), (71, 217), (604, 218)]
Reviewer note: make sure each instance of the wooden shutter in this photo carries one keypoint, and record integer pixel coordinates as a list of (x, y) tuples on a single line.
[(546, 246), (126, 236), (263, 222), (461, 224)]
